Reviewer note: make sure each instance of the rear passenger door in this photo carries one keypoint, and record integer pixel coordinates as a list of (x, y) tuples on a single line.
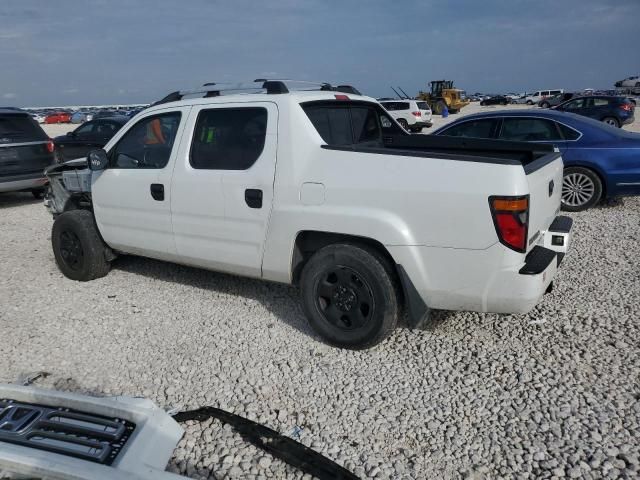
[(531, 129), (222, 188)]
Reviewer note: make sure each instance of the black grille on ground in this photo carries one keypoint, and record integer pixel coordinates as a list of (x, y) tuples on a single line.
[(60, 430)]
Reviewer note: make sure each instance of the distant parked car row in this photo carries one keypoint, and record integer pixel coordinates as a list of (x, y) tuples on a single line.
[(50, 116)]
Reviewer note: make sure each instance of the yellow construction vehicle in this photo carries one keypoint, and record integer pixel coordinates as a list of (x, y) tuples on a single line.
[(443, 94)]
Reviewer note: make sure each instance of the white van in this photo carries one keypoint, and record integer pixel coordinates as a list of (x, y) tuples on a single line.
[(535, 97)]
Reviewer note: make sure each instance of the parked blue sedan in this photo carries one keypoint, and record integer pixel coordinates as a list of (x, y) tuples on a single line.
[(600, 161)]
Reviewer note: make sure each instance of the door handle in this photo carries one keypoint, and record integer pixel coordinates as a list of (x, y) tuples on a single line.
[(253, 197), (157, 191)]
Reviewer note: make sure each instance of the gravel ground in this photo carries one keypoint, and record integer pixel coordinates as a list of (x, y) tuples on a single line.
[(551, 394)]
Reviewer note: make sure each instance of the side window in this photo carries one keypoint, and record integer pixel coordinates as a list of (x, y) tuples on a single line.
[(148, 143), (85, 129), (567, 132), (600, 102), (473, 128), (332, 123), (340, 125), (528, 130), (105, 128), (364, 121), (575, 104), (228, 138), (402, 106), (387, 106)]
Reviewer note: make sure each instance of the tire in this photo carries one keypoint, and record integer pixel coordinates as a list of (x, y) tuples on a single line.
[(613, 121), (350, 295), (38, 193), (637, 84), (503, 103), (544, 105), (482, 103), (576, 199), (529, 102), (78, 247), (416, 129), (439, 107), (403, 123)]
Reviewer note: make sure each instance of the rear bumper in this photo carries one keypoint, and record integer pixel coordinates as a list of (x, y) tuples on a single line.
[(421, 124), (628, 120), (22, 182), (496, 279)]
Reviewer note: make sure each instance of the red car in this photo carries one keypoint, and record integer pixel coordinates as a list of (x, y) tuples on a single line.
[(58, 117)]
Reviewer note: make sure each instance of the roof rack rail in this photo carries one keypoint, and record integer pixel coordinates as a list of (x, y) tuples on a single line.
[(269, 86)]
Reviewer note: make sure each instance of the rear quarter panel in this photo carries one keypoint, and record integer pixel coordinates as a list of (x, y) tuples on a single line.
[(396, 200), (618, 166)]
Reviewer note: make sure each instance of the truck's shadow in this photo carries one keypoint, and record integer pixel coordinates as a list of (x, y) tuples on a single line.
[(15, 199), (280, 299)]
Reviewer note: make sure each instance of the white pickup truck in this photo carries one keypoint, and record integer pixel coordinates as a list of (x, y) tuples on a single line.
[(323, 190)]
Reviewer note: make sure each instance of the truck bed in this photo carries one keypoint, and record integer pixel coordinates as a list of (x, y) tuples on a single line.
[(496, 151)]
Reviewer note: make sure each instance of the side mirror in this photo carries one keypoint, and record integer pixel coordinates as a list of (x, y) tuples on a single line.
[(97, 159)]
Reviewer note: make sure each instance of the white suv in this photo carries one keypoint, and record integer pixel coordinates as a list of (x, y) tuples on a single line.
[(412, 115), (540, 94)]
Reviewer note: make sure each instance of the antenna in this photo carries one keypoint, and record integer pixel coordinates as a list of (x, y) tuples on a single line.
[(405, 94), (397, 94)]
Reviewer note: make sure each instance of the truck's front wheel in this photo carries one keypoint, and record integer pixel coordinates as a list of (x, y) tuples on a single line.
[(350, 295), (78, 247)]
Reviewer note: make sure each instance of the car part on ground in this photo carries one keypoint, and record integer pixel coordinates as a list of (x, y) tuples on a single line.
[(64, 435), (279, 446), (53, 434)]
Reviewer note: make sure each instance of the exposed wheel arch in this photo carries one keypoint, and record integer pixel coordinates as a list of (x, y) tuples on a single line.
[(310, 241)]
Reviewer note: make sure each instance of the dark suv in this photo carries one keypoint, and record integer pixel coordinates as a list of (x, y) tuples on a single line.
[(25, 151), (616, 111)]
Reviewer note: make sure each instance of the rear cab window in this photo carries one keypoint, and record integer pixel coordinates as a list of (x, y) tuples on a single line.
[(341, 124), (19, 128)]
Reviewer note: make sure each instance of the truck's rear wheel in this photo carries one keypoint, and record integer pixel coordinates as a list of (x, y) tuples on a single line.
[(581, 189), (350, 295), (78, 247)]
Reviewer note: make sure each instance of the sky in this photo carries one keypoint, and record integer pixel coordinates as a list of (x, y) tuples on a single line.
[(82, 52)]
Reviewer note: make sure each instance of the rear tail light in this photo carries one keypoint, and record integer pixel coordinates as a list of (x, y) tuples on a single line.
[(511, 219), (416, 114), (50, 146), (627, 107)]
